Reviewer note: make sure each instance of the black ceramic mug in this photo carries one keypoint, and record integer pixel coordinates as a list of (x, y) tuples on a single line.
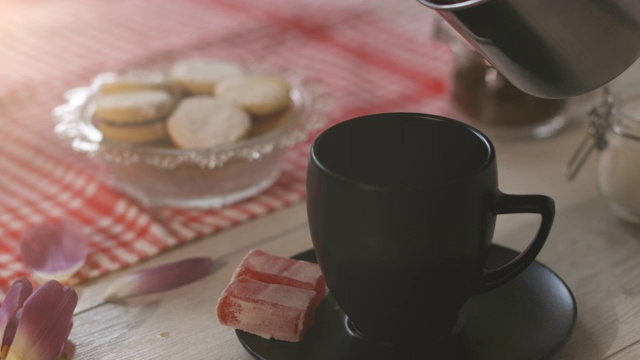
[(402, 209)]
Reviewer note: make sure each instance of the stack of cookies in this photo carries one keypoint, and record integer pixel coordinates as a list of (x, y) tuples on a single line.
[(197, 104)]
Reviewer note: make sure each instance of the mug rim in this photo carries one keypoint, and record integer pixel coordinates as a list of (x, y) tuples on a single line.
[(489, 159)]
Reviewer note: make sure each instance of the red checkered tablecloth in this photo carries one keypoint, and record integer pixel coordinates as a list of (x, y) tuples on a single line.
[(371, 56)]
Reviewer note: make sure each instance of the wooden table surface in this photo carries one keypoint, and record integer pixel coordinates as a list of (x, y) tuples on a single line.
[(596, 254)]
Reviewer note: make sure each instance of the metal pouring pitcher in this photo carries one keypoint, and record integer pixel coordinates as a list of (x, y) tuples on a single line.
[(550, 48)]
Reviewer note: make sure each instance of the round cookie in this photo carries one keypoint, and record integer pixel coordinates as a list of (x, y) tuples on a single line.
[(133, 106), (109, 83), (260, 95), (134, 134), (266, 124), (204, 121), (202, 76)]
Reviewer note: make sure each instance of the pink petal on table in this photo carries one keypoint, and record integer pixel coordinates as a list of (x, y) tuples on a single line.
[(45, 323), (17, 295), (160, 278), (54, 251)]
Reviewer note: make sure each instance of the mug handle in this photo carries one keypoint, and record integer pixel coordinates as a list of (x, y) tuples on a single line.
[(514, 204)]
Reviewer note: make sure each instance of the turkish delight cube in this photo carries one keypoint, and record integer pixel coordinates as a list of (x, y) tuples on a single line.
[(273, 269), (267, 310)]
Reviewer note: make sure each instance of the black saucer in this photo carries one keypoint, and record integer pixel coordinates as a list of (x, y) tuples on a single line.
[(531, 317)]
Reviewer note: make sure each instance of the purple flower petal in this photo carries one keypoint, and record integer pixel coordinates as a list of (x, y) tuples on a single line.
[(10, 332), (54, 250), (160, 278), (44, 326), (17, 295)]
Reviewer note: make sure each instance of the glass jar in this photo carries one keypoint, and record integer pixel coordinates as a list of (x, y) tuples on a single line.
[(619, 163)]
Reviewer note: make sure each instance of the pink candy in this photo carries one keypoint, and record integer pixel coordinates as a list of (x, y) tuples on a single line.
[(272, 296), (267, 310), (272, 269)]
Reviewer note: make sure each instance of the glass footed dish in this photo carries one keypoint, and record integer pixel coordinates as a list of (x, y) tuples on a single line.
[(157, 174)]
